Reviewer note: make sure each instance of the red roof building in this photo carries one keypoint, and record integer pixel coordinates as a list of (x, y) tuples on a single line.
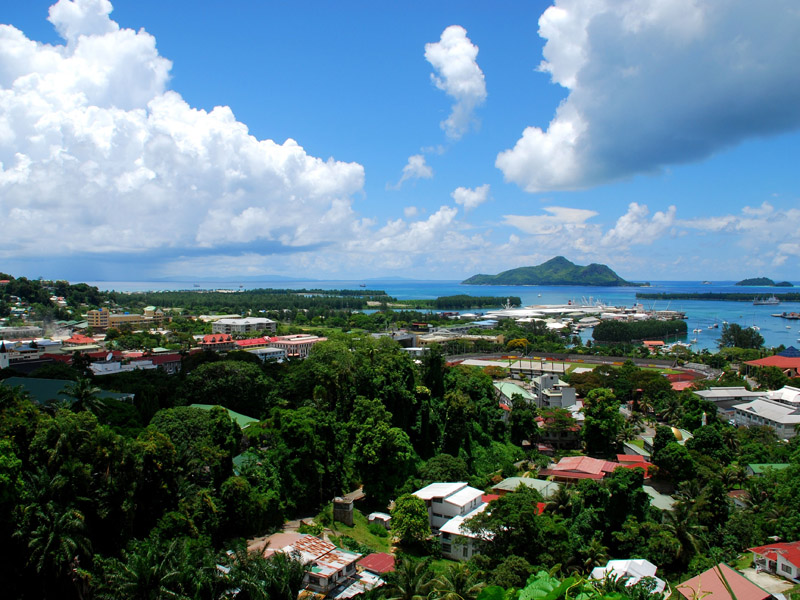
[(253, 343), (710, 586), (78, 340), (790, 365), (780, 558), (574, 468), (378, 563), (218, 342)]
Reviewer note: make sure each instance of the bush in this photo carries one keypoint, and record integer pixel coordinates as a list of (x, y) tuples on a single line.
[(310, 529), (378, 530)]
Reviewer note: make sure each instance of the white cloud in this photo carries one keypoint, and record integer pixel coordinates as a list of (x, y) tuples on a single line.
[(410, 211), (471, 198), (416, 168), (97, 155), (459, 76), (657, 83), (559, 220), (636, 228)]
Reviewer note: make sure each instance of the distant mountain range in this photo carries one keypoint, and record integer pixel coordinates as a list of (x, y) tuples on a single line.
[(763, 282), (556, 271)]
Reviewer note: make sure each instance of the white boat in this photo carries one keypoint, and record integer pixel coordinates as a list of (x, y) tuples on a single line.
[(770, 301)]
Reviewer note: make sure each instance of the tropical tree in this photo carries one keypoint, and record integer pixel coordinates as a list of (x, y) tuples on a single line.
[(411, 580), (681, 524), (85, 394), (457, 582), (410, 523)]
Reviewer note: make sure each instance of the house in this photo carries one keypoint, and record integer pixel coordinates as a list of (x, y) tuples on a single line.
[(506, 391), (758, 469), (787, 361), (377, 562), (382, 519), (572, 469), (449, 506), (77, 340), (448, 500), (780, 558), (252, 343), (550, 391), (244, 325), (714, 583), (659, 500), (631, 571), (510, 484)]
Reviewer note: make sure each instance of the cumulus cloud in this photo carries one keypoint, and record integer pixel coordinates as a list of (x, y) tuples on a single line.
[(416, 168), (636, 227), (657, 83), (560, 219), (471, 198), (459, 76), (98, 155)]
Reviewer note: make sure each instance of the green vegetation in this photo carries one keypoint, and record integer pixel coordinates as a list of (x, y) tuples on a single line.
[(556, 271), (362, 534), (763, 282), (622, 331), (460, 302)]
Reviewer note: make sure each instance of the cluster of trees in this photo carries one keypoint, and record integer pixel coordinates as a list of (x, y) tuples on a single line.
[(624, 331)]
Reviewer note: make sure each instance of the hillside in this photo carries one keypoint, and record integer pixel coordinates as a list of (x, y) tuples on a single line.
[(763, 282), (556, 271)]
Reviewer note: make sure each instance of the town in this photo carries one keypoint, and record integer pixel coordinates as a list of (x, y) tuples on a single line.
[(418, 454)]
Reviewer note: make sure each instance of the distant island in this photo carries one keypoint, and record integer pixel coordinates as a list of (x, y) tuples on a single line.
[(763, 282), (556, 271)]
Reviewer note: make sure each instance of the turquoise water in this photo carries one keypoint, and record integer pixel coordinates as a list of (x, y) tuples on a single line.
[(700, 313)]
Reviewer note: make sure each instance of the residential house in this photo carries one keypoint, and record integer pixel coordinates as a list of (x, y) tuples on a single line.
[(782, 558), (572, 469), (551, 391), (510, 484), (758, 469), (449, 506), (458, 543), (631, 571), (714, 584)]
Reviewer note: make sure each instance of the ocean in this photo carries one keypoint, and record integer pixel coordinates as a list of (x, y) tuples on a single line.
[(701, 314)]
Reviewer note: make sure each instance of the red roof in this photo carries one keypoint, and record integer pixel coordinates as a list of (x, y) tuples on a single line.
[(782, 362), (64, 358), (217, 338), (585, 464), (161, 359), (709, 586), (679, 386), (252, 342), (79, 340), (638, 465), (790, 551), (570, 474), (489, 497), (378, 562), (630, 458)]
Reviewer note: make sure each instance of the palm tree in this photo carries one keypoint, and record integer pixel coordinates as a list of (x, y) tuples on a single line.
[(56, 537), (560, 502), (589, 556), (258, 578), (411, 580), (681, 522), (84, 392), (672, 410), (457, 583)]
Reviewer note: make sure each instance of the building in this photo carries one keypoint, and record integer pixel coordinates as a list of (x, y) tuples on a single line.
[(449, 506), (780, 558), (758, 469), (725, 398), (787, 361), (43, 391), (296, 346), (780, 416), (18, 355), (572, 469), (631, 571), (510, 484), (252, 344), (710, 585), (550, 391), (221, 342), (103, 319), (244, 325)]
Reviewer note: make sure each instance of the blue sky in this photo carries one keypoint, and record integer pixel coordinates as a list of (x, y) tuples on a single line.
[(428, 140)]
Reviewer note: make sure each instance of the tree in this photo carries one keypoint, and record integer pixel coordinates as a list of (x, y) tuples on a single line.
[(234, 384), (410, 523), (444, 467), (602, 423), (457, 582), (734, 335), (411, 580), (84, 392)]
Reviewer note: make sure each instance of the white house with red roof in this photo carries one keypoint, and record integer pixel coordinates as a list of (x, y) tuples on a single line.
[(781, 558)]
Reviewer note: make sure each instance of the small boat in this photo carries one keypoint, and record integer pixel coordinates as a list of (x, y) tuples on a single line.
[(694, 341), (755, 328)]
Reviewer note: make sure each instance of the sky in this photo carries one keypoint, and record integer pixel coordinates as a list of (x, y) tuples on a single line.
[(146, 140)]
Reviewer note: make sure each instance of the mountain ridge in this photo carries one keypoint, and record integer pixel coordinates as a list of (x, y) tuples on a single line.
[(556, 271)]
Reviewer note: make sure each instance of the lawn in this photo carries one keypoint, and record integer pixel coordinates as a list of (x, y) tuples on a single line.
[(361, 534)]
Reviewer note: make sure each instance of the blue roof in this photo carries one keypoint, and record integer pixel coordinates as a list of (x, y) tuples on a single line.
[(790, 352)]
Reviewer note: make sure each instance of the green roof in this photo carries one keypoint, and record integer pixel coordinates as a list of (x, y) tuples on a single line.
[(44, 390), (509, 389), (759, 468), (241, 420)]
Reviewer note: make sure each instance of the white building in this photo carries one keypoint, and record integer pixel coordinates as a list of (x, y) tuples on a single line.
[(245, 325), (780, 416), (296, 346), (550, 391), (449, 505)]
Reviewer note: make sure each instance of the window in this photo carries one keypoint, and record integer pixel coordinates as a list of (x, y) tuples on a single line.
[(446, 547), (787, 568), (466, 550)]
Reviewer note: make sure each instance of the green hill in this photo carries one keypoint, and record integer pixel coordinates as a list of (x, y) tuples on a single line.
[(763, 282), (556, 271)]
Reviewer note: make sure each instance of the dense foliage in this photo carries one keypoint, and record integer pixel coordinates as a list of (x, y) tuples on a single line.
[(556, 271), (624, 331)]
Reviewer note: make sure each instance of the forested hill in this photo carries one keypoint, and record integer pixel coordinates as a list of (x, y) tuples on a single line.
[(556, 271), (763, 282)]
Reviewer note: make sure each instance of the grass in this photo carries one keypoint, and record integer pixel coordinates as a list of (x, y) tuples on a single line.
[(361, 534), (744, 561), (440, 565), (637, 442)]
